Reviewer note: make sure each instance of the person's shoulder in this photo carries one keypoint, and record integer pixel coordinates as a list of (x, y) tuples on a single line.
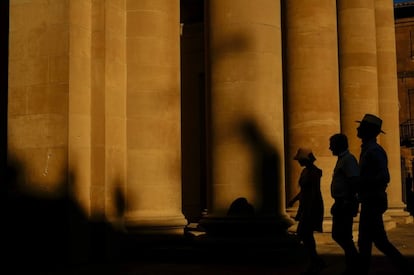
[(373, 145), (375, 151), (350, 156), (317, 171), (376, 147)]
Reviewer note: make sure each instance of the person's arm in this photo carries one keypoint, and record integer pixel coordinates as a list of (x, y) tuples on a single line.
[(351, 170), (295, 198), (383, 175)]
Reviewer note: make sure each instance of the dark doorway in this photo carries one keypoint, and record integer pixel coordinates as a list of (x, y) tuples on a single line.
[(4, 66), (193, 109)]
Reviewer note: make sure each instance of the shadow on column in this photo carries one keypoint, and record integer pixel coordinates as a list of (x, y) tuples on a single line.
[(266, 170), (247, 227)]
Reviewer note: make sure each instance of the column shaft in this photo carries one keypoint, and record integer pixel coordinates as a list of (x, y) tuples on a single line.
[(80, 102), (153, 116), (37, 110), (358, 65), (245, 100), (115, 108), (312, 94), (98, 138), (388, 97)]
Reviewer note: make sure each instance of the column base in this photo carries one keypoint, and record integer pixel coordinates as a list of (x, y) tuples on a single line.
[(245, 226), (249, 239), (154, 225), (399, 215)]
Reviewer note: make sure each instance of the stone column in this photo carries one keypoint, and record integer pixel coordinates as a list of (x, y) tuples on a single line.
[(388, 101), (358, 65), (80, 130), (153, 117), (37, 123), (115, 109), (80, 97), (245, 107), (312, 95), (98, 139)]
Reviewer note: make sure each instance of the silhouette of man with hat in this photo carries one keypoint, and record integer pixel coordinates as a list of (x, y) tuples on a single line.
[(374, 179)]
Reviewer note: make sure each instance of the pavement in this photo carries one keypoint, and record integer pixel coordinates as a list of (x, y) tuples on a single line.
[(196, 257), (277, 261)]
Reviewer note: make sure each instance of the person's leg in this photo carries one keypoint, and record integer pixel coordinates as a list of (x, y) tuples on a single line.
[(385, 246), (316, 262), (310, 245), (342, 233), (365, 238)]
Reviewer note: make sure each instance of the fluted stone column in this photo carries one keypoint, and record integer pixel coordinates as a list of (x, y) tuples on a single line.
[(388, 101), (245, 103), (358, 65), (153, 188), (311, 93)]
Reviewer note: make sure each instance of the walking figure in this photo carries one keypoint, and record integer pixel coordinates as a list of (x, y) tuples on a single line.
[(310, 211), (374, 179), (343, 191)]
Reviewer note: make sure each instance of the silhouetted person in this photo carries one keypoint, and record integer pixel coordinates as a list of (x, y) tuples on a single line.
[(343, 191), (310, 212), (374, 179)]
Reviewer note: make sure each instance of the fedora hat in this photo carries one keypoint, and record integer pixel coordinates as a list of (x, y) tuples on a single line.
[(373, 120), (304, 153)]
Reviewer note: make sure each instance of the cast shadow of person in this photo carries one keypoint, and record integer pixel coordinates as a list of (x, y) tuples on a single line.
[(38, 224), (266, 171), (48, 232)]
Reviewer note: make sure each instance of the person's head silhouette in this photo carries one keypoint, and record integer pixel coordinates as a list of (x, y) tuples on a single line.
[(304, 156), (369, 127)]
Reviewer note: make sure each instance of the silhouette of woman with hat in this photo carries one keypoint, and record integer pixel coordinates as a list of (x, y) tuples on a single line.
[(310, 212)]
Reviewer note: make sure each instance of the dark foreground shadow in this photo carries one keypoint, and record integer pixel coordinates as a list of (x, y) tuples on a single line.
[(54, 236), (48, 233)]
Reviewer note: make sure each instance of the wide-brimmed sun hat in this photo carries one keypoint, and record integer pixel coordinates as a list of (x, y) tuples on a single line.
[(304, 153)]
